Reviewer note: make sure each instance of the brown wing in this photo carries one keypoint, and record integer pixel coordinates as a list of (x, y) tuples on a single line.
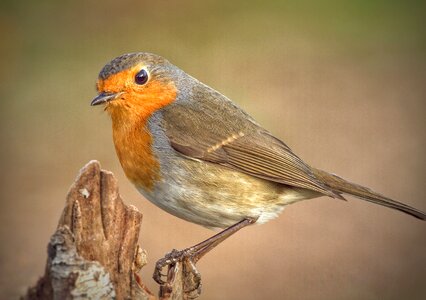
[(217, 131)]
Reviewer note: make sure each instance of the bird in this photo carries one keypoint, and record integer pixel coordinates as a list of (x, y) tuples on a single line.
[(197, 155)]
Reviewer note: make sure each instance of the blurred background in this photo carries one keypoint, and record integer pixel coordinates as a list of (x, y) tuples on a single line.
[(341, 82)]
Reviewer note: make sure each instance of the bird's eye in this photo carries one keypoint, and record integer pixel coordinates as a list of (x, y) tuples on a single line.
[(141, 77)]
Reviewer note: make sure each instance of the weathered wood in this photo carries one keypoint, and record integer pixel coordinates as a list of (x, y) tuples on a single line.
[(94, 253), (69, 276)]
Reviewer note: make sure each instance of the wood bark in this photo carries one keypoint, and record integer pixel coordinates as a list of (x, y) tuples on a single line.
[(94, 253)]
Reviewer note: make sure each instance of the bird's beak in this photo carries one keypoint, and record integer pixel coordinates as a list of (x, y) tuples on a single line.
[(104, 98)]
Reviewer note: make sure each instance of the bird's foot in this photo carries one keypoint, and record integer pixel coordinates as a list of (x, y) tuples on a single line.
[(182, 274), (191, 255), (170, 260)]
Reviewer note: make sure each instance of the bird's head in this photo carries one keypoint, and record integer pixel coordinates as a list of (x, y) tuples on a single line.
[(136, 85)]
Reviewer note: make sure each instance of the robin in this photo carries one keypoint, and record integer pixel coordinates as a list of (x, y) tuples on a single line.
[(194, 153)]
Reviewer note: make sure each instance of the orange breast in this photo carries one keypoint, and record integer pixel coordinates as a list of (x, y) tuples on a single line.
[(134, 150), (132, 139)]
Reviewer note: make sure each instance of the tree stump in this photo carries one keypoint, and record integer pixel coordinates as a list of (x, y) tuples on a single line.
[(94, 253)]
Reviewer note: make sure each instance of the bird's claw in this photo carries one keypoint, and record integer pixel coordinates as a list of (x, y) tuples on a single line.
[(170, 259)]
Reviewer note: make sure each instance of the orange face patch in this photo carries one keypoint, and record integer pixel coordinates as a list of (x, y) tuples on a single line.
[(140, 100), (129, 114)]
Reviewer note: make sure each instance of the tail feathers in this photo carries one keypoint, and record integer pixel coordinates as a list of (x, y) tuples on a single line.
[(340, 185)]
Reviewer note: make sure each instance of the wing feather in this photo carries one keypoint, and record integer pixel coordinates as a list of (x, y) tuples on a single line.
[(217, 131)]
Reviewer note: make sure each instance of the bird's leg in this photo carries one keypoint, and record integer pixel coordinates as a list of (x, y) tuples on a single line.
[(201, 249), (196, 252)]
